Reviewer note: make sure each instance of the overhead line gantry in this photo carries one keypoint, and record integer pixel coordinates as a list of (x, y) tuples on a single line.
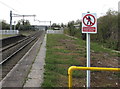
[(17, 15)]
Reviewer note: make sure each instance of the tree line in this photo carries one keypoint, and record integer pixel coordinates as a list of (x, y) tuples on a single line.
[(25, 25), (108, 30), (21, 25)]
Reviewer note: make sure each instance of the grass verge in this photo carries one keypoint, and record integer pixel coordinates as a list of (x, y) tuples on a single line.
[(63, 52)]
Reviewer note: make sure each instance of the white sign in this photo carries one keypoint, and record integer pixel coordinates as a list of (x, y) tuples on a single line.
[(89, 23)]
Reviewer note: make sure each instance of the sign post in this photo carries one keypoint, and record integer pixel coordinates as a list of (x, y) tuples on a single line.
[(89, 25), (88, 59)]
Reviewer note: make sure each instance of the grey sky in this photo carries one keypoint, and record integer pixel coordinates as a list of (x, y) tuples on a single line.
[(57, 11)]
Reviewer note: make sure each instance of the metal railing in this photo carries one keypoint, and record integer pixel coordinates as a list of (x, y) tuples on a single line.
[(86, 68)]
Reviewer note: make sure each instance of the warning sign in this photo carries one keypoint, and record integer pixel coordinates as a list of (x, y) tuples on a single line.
[(89, 23)]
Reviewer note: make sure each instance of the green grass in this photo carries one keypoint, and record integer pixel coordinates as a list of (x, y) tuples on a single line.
[(63, 52), (5, 36), (26, 33), (98, 48), (58, 60), (49, 79)]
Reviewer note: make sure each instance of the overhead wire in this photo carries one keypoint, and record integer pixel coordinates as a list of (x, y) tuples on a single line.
[(8, 6), (11, 8)]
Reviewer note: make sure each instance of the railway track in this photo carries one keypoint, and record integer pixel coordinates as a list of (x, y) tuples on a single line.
[(13, 53)]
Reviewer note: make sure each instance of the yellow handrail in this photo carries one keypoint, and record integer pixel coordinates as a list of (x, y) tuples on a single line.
[(86, 68)]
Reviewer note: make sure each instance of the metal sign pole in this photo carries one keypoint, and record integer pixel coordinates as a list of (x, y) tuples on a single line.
[(89, 25), (88, 60)]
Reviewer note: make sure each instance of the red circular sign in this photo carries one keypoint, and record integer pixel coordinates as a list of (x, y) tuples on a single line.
[(88, 17)]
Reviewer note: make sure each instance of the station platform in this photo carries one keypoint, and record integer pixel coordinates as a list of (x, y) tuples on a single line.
[(35, 77)]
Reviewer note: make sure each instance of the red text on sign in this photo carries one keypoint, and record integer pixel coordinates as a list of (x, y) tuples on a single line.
[(89, 29)]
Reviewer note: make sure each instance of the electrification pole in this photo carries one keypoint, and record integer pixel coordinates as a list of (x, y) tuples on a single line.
[(10, 20), (50, 25), (17, 15), (14, 25)]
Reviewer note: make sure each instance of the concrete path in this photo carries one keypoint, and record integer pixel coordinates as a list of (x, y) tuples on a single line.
[(35, 77)]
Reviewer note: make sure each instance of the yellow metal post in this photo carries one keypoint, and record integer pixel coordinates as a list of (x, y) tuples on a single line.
[(70, 77), (86, 68), (70, 80)]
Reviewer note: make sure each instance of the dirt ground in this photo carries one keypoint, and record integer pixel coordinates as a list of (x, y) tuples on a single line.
[(98, 59)]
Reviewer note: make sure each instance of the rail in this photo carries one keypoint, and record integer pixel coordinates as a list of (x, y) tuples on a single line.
[(23, 44), (86, 68), (16, 52)]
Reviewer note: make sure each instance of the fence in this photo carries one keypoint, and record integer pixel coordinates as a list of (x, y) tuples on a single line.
[(5, 32), (54, 31)]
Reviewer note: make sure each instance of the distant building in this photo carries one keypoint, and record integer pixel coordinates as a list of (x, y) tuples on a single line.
[(39, 27), (77, 26)]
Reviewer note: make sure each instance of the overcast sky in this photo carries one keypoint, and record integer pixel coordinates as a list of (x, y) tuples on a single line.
[(57, 11)]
